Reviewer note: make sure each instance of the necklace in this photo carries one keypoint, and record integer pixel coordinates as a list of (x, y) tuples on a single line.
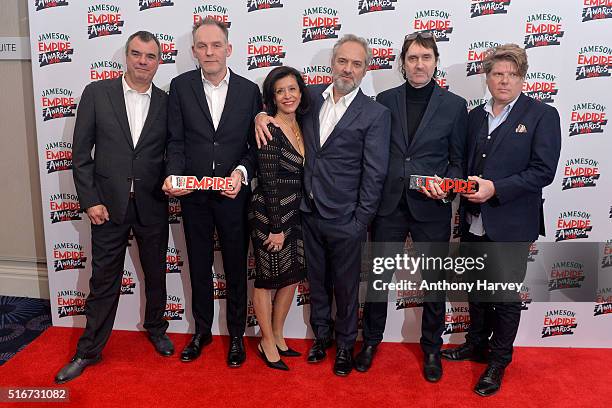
[(297, 132)]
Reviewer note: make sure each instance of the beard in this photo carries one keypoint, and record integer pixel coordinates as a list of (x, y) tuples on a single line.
[(345, 86)]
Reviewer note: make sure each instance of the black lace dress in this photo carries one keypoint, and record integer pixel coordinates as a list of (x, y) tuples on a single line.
[(275, 207)]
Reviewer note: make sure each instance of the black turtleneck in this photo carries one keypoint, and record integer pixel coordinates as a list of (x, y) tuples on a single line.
[(416, 103)]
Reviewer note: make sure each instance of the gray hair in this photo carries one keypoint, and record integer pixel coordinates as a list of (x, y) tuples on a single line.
[(211, 21), (144, 36), (353, 38)]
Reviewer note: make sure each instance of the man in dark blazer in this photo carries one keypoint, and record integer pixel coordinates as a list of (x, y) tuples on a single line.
[(346, 137), (513, 150), (428, 131), (210, 133), (124, 120)]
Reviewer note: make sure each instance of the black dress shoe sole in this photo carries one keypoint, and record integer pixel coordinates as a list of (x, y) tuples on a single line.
[(315, 361), (235, 365), (361, 369), (433, 379), (342, 373), (482, 394)]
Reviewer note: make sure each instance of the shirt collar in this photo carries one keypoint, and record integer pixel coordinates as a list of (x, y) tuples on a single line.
[(489, 106), (225, 79), (346, 99), (127, 88)]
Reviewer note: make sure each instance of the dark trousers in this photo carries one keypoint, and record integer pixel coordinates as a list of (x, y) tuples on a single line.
[(109, 243), (229, 217), (494, 324), (333, 255), (395, 228)]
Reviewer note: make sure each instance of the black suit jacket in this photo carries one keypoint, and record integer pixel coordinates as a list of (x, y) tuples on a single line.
[(107, 177), (520, 164), (438, 147), (346, 174), (193, 143)]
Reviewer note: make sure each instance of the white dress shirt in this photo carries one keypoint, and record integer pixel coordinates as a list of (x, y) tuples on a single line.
[(331, 112), (475, 221), (215, 98)]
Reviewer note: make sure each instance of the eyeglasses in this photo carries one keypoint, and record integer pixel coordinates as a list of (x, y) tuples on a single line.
[(422, 34)]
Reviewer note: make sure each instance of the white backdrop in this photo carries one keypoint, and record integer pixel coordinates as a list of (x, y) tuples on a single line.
[(570, 56)]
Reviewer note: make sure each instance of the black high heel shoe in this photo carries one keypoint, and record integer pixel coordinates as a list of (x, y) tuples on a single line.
[(278, 365), (289, 352)]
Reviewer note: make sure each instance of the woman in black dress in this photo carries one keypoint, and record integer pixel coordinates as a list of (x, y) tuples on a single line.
[(274, 214)]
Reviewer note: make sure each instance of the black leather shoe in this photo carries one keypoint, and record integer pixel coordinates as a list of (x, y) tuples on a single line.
[(278, 365), (163, 344), (74, 368), (490, 381), (194, 348), (317, 351), (363, 360), (465, 352), (344, 362), (236, 354), (289, 352), (432, 367)]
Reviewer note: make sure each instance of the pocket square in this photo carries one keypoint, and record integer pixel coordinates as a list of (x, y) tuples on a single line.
[(521, 129)]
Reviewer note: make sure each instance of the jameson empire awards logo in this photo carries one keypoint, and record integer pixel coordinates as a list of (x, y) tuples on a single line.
[(436, 22), (105, 69), (175, 309), (215, 11), (476, 54), (54, 48), (303, 293), (474, 103), (606, 260), (265, 51), (70, 303), (457, 320), (219, 286), (175, 213), (441, 79), (128, 282), (407, 299), (587, 118), (149, 4), (174, 260), (603, 302), (47, 4), (596, 10), (320, 23), (488, 7), (251, 320), (541, 86), (559, 323), (64, 207), (255, 5), (525, 295), (566, 275), (57, 103), (251, 266), (594, 61), (168, 48), (542, 30), (580, 172), (103, 20), (317, 74), (68, 256), (383, 54), (573, 225), (371, 6), (533, 252), (58, 156)]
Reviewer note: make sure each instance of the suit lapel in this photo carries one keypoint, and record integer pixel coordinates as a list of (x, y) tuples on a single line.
[(511, 121), (479, 122), (233, 93), (117, 99), (316, 125), (348, 117), (198, 90), (151, 115), (401, 105), (432, 106)]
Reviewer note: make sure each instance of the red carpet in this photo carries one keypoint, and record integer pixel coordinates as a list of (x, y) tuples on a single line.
[(131, 374)]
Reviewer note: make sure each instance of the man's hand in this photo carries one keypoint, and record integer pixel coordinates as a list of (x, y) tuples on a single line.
[(435, 192), (486, 190), (98, 214), (173, 192), (262, 134), (237, 178), (275, 242)]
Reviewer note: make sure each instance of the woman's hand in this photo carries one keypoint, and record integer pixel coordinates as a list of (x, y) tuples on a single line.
[(275, 241)]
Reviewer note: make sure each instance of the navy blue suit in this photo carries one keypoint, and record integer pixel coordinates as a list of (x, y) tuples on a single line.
[(342, 184), (438, 147), (521, 159)]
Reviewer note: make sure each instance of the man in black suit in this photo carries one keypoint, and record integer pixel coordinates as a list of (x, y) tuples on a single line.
[(513, 149), (124, 119), (211, 134), (428, 131), (346, 137)]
